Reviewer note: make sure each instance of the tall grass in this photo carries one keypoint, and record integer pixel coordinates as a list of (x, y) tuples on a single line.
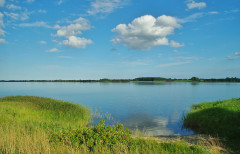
[(43, 112), (43, 125), (219, 119), (26, 123)]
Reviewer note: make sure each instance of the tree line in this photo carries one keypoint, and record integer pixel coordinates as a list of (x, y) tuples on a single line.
[(140, 79)]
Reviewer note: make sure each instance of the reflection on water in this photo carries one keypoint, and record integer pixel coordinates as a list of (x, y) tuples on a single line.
[(195, 83), (150, 125), (154, 107), (151, 83)]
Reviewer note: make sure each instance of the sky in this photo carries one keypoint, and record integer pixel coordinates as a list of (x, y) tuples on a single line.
[(119, 39)]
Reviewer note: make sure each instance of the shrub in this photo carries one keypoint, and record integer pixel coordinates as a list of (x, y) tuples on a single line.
[(95, 136)]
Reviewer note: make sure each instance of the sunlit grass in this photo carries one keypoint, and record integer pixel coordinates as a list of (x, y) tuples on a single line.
[(43, 112), (220, 119), (43, 125)]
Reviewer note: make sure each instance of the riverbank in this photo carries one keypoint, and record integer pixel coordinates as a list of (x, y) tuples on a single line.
[(43, 125), (219, 119)]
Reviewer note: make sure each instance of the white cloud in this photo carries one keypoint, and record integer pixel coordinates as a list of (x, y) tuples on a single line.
[(145, 32), (76, 42), (2, 2), (2, 41), (213, 12), (72, 31), (230, 58), (2, 32), (56, 27), (18, 16), (59, 2), (195, 16), (42, 11), (13, 7), (232, 11), (176, 44), (53, 50), (79, 25), (192, 5), (191, 18), (30, 1), (25, 15), (174, 64), (1, 20), (12, 15), (105, 6), (35, 24), (175, 51), (42, 42), (237, 53)]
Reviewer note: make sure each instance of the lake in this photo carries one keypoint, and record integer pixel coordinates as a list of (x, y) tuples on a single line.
[(156, 108)]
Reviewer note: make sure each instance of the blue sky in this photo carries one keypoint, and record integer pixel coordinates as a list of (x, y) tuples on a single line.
[(94, 39)]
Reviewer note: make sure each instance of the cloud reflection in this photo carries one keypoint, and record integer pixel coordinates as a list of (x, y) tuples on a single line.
[(150, 125)]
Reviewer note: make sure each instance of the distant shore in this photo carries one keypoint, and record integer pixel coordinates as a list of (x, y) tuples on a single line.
[(140, 79)]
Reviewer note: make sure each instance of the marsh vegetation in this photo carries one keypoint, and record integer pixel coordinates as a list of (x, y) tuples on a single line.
[(43, 125), (219, 119)]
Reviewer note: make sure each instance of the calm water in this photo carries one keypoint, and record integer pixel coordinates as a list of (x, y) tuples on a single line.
[(155, 107)]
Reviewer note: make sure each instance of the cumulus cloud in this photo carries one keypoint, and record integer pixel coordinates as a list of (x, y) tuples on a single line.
[(2, 41), (2, 2), (230, 58), (176, 44), (146, 32), (42, 42), (53, 50), (13, 7), (72, 31), (237, 53), (194, 5), (76, 28), (105, 6), (35, 24), (76, 42)]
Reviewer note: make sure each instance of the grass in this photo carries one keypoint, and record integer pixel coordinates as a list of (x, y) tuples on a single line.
[(219, 119), (43, 125)]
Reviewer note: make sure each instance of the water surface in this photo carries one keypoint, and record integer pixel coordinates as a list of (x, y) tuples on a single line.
[(155, 107)]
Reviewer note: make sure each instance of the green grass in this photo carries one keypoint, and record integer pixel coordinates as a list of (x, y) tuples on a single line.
[(117, 139), (43, 125), (45, 112), (220, 119)]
